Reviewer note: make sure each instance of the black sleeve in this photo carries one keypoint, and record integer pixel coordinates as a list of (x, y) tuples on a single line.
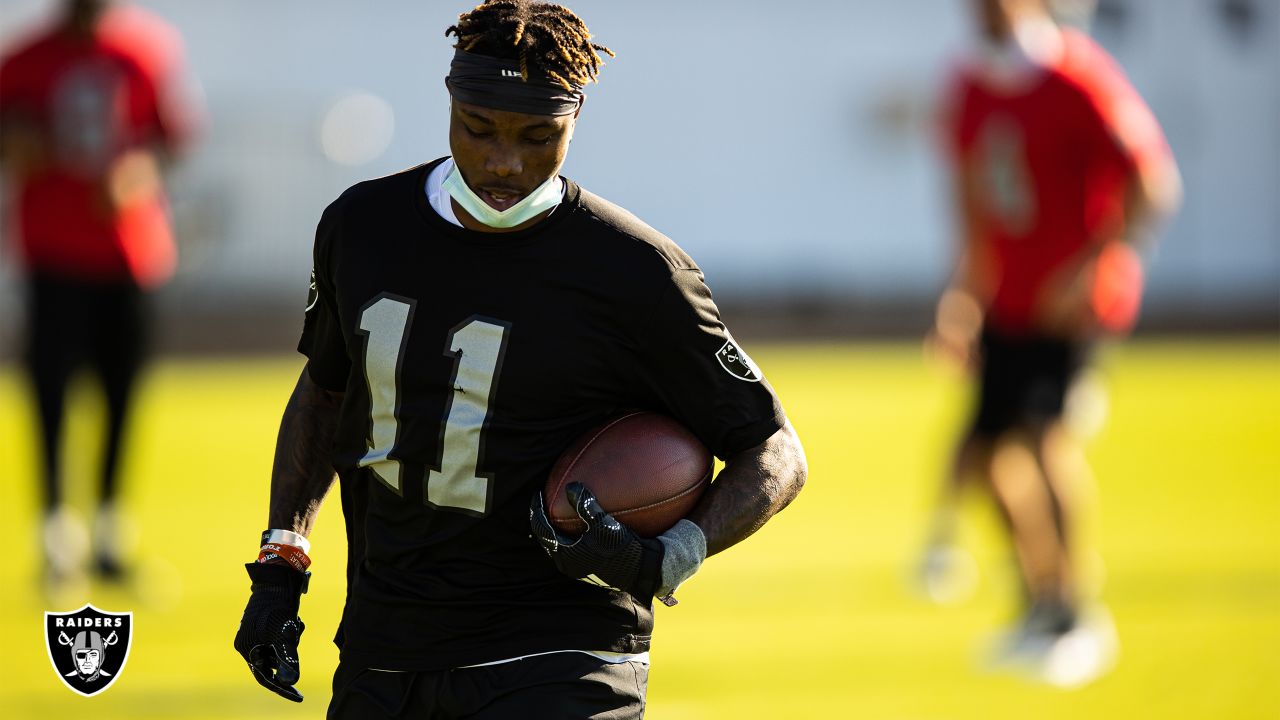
[(697, 371), (322, 339)]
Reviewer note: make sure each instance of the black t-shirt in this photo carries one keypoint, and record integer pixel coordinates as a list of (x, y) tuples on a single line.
[(469, 362)]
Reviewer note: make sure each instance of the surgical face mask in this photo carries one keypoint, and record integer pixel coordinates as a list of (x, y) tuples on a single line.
[(543, 198)]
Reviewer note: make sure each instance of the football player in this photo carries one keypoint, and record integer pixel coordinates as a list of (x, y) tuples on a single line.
[(90, 113), (471, 317), (1061, 170)]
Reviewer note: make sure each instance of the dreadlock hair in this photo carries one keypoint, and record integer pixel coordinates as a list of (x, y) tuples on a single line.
[(546, 37)]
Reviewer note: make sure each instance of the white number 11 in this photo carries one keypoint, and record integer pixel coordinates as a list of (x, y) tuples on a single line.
[(477, 346)]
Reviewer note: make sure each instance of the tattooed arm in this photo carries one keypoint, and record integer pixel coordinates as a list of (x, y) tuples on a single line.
[(303, 473), (754, 486)]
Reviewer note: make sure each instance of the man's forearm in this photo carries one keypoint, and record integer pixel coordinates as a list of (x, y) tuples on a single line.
[(303, 471), (1152, 197), (753, 487)]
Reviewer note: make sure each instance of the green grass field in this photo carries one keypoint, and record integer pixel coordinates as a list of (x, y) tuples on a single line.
[(811, 618)]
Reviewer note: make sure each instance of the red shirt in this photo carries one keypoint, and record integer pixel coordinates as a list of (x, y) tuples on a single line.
[(91, 100), (1050, 163)]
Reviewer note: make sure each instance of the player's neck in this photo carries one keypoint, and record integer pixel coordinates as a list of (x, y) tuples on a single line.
[(1038, 40), (1033, 45)]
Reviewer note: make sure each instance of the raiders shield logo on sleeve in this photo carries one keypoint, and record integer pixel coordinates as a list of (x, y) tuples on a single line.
[(88, 647), (313, 294), (736, 363)]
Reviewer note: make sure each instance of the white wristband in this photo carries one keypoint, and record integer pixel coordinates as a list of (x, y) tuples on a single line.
[(286, 537)]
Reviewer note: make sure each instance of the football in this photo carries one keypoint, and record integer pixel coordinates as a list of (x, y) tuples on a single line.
[(646, 470)]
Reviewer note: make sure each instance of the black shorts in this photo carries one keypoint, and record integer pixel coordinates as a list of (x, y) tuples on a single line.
[(555, 686), (70, 322), (1024, 381)]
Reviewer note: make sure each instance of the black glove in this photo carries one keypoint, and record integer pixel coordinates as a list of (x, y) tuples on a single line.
[(270, 628), (608, 553)]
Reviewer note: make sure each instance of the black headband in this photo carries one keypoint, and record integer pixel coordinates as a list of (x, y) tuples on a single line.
[(497, 84)]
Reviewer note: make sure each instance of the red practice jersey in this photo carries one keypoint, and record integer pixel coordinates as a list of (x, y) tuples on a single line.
[(1049, 164), (90, 100)]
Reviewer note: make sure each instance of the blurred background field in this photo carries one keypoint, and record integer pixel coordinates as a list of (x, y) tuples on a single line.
[(811, 618)]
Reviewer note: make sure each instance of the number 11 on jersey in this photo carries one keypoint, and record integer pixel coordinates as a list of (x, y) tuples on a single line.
[(477, 346)]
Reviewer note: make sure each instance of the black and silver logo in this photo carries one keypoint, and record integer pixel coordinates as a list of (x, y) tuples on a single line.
[(88, 647), (736, 363), (313, 293)]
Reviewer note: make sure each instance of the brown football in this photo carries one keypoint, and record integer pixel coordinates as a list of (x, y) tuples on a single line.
[(646, 470)]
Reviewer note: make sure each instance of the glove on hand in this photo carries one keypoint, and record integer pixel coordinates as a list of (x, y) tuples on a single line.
[(270, 628), (608, 553)]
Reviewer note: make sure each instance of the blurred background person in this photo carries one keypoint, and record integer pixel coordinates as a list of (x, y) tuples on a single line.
[(1060, 171), (90, 115)]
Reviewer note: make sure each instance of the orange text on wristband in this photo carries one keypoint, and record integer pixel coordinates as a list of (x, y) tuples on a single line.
[(284, 555)]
